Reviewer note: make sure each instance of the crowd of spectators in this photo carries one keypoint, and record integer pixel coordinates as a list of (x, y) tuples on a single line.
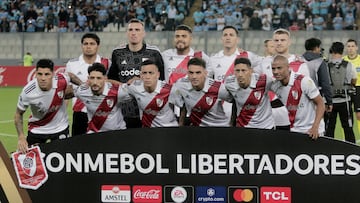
[(273, 14), (88, 15), (158, 15)]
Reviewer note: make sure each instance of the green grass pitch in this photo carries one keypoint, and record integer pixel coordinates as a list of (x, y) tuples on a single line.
[(8, 135)]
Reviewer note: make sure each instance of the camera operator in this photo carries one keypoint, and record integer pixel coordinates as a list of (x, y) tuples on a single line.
[(342, 79)]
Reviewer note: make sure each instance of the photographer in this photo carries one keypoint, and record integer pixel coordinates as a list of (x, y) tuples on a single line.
[(343, 80)]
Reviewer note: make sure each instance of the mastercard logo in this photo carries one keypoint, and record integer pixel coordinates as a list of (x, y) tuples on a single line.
[(245, 194)]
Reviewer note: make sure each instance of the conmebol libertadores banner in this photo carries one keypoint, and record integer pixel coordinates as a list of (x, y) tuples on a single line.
[(200, 165)]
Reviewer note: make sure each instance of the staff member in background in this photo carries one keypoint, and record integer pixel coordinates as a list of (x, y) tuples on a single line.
[(126, 63), (28, 59), (45, 97)]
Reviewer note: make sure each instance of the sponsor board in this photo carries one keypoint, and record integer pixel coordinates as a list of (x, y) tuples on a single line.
[(178, 194), (210, 194), (246, 194), (275, 194), (115, 193), (147, 194)]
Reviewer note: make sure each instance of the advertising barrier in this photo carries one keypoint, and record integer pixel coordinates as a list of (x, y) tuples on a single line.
[(18, 76), (200, 165)]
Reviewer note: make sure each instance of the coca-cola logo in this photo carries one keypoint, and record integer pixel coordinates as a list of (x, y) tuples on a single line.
[(144, 194)]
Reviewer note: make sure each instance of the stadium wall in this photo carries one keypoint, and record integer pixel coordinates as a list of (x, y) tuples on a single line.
[(62, 46)]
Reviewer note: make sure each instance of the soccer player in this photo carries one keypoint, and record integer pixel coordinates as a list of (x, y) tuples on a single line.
[(176, 59), (90, 45), (152, 97), (249, 91), (282, 40), (126, 63), (102, 100), (45, 96), (300, 96), (198, 95), (221, 64)]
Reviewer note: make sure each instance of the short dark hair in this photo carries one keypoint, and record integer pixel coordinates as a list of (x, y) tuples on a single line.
[(183, 27), (312, 43), (242, 60), (45, 63), (352, 40), (337, 48), (149, 62), (197, 61), (230, 27), (97, 67), (92, 36), (135, 20)]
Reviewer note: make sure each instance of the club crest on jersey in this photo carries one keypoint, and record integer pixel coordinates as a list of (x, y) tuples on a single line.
[(209, 100), (159, 102), (295, 94), (110, 102), (257, 95), (60, 94)]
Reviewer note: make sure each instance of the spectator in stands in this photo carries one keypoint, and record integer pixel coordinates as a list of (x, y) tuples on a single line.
[(255, 22), (103, 16), (72, 20), (81, 19), (318, 22), (179, 18), (198, 16), (266, 23), (324, 6), (349, 21), (40, 22), (300, 17), (50, 19), (30, 25), (338, 22), (120, 16), (63, 17), (309, 23)]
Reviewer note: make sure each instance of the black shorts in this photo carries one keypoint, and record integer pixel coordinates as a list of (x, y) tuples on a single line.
[(80, 123), (356, 99), (33, 138)]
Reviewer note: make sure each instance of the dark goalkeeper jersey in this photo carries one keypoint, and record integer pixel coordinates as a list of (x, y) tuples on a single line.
[(126, 64)]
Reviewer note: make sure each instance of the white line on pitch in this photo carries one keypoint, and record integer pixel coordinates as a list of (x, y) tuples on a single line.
[(7, 121), (7, 135)]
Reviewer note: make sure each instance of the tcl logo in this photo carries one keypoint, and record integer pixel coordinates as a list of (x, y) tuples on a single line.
[(275, 194)]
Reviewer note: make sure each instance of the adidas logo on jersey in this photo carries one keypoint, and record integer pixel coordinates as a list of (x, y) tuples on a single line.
[(218, 66), (123, 62), (144, 59)]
